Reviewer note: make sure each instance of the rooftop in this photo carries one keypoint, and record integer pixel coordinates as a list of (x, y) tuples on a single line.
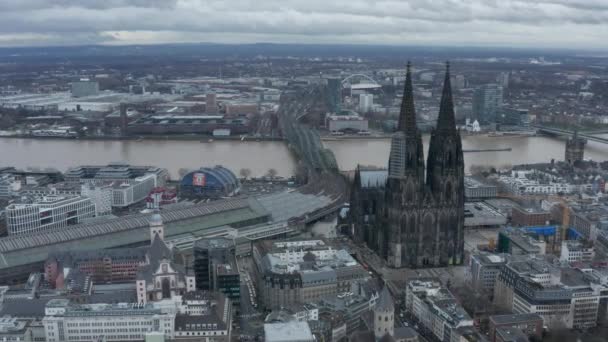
[(515, 318), (290, 331)]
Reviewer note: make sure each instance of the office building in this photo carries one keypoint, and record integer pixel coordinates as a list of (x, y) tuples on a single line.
[(366, 102), (115, 172), (436, 309), (563, 297), (46, 213), (517, 117), (129, 192), (101, 195), (475, 188), (530, 324), (530, 216), (302, 271), (211, 103), (334, 94), (84, 88), (115, 322), (215, 267), (576, 251), (487, 103), (483, 270), (431, 233)]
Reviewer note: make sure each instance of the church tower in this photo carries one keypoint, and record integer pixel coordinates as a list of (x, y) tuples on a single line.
[(445, 180), (405, 183), (157, 227), (384, 315)]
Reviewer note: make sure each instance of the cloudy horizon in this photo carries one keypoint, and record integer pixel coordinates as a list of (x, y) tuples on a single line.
[(514, 23)]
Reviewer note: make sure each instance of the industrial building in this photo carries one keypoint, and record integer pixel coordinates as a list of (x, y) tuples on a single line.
[(346, 122), (210, 182), (190, 124)]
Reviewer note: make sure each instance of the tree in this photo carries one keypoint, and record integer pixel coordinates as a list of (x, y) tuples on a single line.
[(182, 172), (271, 173), (245, 173)]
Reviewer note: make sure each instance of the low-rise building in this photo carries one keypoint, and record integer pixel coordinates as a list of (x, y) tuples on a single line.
[(518, 242), (288, 332), (530, 324), (530, 216), (12, 329)]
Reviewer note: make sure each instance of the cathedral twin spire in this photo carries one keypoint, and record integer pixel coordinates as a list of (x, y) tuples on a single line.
[(407, 116)]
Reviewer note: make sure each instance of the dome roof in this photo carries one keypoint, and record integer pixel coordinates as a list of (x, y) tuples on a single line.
[(156, 220)]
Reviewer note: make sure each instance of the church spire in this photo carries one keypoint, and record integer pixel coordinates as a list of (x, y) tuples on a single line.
[(446, 120), (407, 116)]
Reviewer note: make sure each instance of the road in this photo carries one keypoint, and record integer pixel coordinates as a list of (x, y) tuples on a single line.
[(251, 321)]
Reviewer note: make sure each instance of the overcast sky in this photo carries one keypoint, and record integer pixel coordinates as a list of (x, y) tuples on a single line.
[(520, 23)]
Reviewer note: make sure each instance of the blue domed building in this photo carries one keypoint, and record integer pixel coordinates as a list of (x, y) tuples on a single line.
[(210, 182)]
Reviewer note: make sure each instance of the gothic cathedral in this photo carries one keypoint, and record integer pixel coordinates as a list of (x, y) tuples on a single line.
[(414, 222)]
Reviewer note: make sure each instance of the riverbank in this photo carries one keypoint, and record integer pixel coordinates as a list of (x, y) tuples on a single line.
[(201, 138)]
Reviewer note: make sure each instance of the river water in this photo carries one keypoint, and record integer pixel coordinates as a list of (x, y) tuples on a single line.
[(259, 157)]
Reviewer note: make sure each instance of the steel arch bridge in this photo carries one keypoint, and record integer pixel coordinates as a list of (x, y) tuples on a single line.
[(346, 83)]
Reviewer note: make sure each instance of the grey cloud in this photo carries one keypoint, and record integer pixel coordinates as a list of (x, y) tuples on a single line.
[(319, 20)]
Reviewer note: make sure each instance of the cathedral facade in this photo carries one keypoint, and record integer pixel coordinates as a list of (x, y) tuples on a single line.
[(417, 219)]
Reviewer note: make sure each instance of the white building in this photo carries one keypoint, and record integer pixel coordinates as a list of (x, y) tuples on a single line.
[(101, 195), (48, 212), (131, 191), (366, 102), (288, 332), (352, 122), (114, 322), (519, 183), (575, 251)]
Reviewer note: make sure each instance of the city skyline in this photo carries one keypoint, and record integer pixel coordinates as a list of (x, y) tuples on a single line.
[(514, 23)]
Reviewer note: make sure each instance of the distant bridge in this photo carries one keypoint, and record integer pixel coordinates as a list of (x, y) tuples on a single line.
[(567, 133)]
